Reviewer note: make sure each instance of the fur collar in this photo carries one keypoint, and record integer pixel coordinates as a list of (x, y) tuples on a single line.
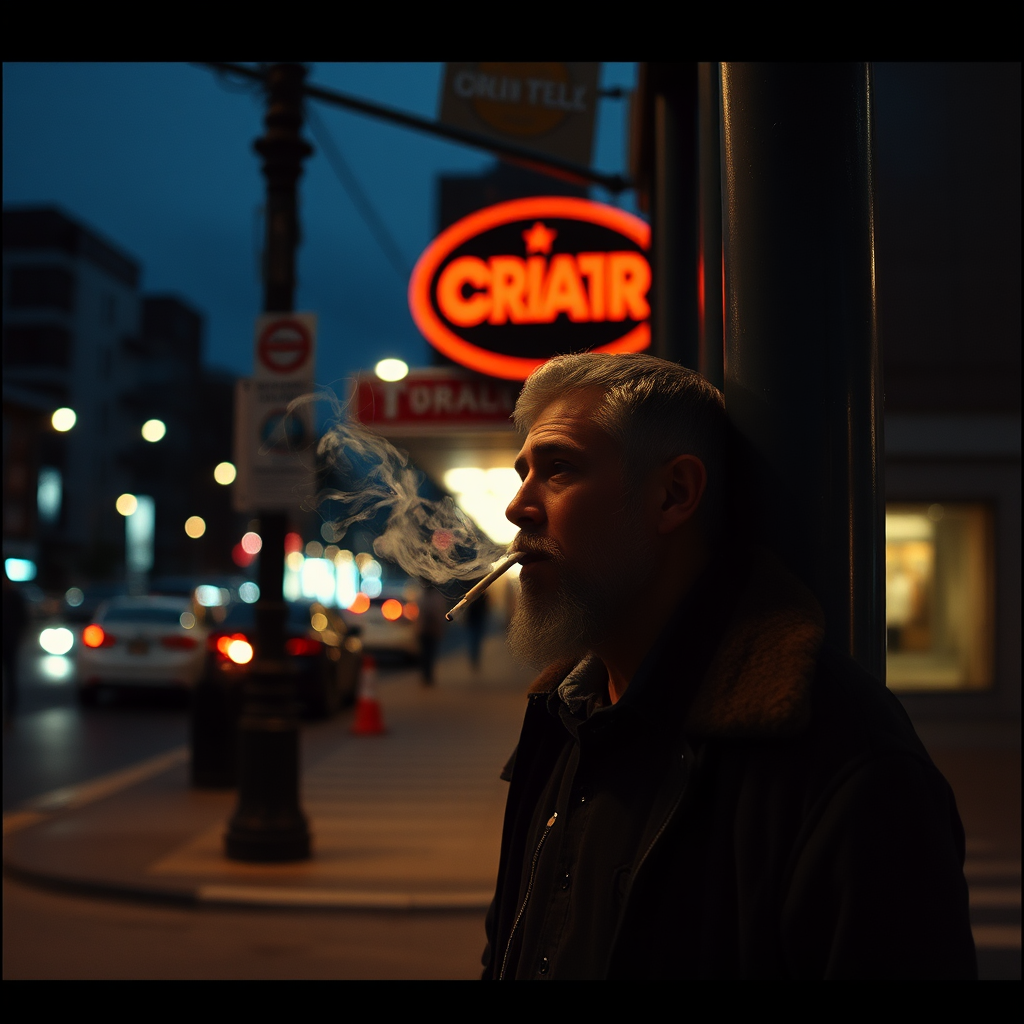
[(758, 682)]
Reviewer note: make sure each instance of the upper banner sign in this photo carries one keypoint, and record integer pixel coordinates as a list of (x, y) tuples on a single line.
[(545, 106), (510, 286)]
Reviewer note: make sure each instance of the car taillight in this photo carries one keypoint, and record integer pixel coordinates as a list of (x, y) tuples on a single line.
[(303, 646), (179, 643), (234, 647), (95, 636)]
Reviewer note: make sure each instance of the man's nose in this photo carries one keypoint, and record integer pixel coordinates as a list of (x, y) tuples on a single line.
[(524, 510)]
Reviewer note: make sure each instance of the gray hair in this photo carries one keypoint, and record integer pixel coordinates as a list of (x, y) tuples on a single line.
[(653, 408)]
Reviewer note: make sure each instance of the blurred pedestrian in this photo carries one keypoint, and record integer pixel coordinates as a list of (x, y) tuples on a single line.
[(15, 620), (476, 627), (430, 625)]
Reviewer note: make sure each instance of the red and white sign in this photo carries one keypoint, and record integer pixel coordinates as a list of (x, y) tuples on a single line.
[(433, 401), (274, 447), (285, 346)]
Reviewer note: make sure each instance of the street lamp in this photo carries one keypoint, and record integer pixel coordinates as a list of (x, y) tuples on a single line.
[(268, 823)]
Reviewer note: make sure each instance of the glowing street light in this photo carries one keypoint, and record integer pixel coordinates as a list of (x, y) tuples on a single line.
[(224, 473), (195, 526), (391, 369), (154, 430), (127, 504), (64, 419)]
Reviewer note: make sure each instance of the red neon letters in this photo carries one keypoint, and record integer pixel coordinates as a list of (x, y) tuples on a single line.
[(508, 289)]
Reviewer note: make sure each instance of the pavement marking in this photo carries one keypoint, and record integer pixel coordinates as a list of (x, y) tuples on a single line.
[(991, 869), (259, 895), (69, 797), (991, 897), (996, 936)]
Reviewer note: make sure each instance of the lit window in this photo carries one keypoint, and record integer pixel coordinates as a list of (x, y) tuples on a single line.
[(938, 597)]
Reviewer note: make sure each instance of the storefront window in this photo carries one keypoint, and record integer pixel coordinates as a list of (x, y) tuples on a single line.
[(938, 592)]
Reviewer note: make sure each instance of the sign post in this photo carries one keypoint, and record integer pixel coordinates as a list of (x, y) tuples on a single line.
[(268, 823)]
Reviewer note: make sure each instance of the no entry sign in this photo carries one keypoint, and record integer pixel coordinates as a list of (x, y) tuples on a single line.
[(285, 346)]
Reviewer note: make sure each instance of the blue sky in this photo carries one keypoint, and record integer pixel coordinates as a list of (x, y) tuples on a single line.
[(158, 159)]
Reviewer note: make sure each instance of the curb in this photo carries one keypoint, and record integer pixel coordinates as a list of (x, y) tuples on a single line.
[(250, 897)]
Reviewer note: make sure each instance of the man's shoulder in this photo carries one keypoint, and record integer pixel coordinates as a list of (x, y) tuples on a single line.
[(855, 710)]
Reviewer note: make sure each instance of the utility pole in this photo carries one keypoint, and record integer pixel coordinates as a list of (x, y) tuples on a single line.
[(268, 823), (802, 377)]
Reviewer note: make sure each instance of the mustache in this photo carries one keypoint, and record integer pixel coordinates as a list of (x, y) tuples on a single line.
[(524, 544)]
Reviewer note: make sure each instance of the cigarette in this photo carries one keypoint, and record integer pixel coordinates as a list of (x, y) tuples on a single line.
[(500, 569)]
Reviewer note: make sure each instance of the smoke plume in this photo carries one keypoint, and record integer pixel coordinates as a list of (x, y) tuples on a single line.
[(432, 540)]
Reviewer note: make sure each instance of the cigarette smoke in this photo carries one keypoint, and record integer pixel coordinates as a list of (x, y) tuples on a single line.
[(431, 540)]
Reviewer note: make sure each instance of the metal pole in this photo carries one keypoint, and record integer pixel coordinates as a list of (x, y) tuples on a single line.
[(710, 312), (268, 823), (674, 213), (802, 379)]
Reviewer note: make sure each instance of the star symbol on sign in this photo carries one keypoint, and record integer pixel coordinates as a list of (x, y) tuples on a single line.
[(539, 239)]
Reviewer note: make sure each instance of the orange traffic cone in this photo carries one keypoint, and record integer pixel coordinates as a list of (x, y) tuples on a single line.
[(368, 718)]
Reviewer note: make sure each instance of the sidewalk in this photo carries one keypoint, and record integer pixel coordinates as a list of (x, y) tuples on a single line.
[(412, 819), (407, 820)]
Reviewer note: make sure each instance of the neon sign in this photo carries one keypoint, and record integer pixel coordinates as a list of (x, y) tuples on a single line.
[(509, 286)]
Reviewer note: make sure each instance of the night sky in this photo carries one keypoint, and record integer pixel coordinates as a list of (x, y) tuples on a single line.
[(158, 159)]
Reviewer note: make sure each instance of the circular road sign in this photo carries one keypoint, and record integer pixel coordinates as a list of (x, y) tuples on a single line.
[(285, 346)]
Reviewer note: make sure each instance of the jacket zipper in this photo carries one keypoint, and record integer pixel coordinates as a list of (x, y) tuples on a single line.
[(526, 897)]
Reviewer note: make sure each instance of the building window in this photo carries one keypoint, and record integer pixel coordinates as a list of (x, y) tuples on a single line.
[(938, 597), (42, 288), (42, 345)]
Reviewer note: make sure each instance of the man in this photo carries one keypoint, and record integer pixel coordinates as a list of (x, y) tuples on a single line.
[(702, 787)]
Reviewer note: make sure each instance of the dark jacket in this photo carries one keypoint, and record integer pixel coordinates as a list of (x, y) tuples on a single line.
[(783, 818)]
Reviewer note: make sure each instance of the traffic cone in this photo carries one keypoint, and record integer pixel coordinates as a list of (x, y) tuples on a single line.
[(368, 719)]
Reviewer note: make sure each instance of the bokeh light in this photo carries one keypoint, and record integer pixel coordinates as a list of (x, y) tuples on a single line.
[(154, 430), (195, 526), (251, 543), (126, 504), (360, 604), (64, 419), (391, 609), (391, 369), (57, 640), (224, 473), (240, 652), (248, 592)]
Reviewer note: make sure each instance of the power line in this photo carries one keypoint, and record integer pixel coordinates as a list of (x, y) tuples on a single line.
[(355, 192)]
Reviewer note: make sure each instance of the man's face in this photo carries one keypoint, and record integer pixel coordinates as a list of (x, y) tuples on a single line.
[(578, 528)]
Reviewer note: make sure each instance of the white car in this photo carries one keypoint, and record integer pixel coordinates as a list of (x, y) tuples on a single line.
[(141, 642)]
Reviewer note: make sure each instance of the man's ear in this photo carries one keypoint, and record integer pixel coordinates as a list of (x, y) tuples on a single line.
[(683, 480)]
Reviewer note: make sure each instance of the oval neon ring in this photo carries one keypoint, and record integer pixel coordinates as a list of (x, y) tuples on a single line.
[(536, 207)]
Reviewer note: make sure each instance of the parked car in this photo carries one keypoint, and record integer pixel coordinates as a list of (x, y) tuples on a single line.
[(141, 642), (326, 653), (387, 623)]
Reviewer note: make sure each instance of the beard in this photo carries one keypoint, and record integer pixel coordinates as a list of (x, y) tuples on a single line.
[(567, 622)]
